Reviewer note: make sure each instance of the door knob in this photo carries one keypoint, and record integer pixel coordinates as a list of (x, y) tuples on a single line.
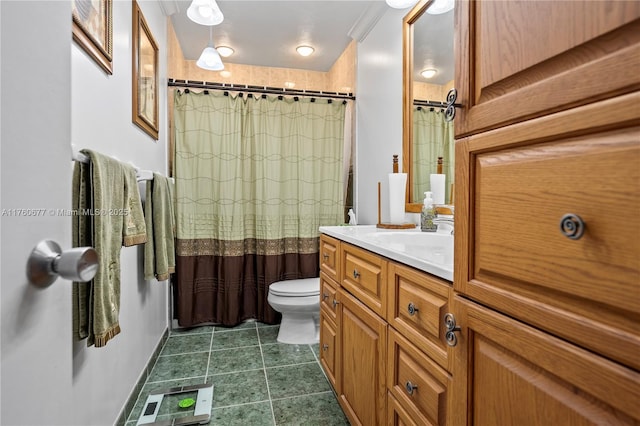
[(47, 261)]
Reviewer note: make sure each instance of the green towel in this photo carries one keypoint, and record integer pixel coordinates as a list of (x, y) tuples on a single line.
[(159, 252), (107, 215)]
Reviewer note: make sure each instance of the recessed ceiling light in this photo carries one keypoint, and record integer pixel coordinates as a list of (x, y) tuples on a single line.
[(428, 73), (440, 6), (305, 50), (401, 4), (225, 51)]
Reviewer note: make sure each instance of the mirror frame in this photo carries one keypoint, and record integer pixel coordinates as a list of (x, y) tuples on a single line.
[(407, 98)]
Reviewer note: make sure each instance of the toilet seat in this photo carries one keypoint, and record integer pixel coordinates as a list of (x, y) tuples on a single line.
[(296, 288)]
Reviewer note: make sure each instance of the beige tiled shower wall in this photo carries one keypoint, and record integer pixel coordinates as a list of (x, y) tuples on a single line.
[(340, 78), (431, 92)]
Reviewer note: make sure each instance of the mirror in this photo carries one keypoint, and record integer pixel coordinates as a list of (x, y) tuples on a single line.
[(427, 44)]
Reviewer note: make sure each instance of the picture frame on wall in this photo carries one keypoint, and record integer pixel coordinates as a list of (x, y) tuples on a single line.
[(145, 75), (92, 30)]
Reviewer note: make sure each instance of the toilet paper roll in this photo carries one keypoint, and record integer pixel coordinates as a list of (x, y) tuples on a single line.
[(438, 188), (397, 188)]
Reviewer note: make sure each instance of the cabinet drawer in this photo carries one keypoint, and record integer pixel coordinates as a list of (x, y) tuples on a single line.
[(328, 296), (364, 275), (417, 383), (397, 415), (328, 348), (417, 305), (329, 252), (587, 289)]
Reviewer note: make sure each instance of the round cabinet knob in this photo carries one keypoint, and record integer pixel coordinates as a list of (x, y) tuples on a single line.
[(572, 226), (325, 256), (410, 387), (325, 347), (412, 309), (325, 296), (356, 274)]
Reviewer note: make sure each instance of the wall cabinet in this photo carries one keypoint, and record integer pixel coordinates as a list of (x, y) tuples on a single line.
[(517, 60), (547, 278)]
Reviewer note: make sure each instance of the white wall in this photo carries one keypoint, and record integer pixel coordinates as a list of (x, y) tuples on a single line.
[(49, 100), (378, 114)]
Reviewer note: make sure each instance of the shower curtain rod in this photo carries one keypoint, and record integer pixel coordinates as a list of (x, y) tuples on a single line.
[(426, 103), (258, 89)]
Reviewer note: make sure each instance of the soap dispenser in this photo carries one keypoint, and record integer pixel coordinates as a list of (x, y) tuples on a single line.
[(428, 214)]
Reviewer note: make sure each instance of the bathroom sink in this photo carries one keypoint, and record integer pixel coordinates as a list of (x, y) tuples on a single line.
[(434, 247)]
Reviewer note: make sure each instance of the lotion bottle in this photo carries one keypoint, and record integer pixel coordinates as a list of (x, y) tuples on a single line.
[(428, 214)]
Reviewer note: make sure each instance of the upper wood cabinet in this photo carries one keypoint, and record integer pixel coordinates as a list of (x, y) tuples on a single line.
[(516, 60)]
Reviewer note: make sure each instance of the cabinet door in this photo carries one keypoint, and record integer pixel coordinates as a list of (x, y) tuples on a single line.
[(328, 350), (362, 360), (507, 373), (521, 59)]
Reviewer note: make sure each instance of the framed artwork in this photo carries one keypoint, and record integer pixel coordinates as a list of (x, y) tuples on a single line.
[(93, 30), (145, 75)]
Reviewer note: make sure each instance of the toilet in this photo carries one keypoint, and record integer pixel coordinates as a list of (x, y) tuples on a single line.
[(299, 303)]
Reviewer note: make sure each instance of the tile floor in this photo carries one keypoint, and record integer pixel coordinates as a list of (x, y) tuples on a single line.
[(257, 381)]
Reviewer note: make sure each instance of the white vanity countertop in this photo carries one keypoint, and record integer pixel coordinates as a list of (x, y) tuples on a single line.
[(429, 252)]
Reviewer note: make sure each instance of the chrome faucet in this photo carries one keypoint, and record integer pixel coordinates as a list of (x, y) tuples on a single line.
[(446, 220)]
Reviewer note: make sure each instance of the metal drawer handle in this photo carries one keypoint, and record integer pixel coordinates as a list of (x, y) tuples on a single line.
[(325, 256), (335, 303), (572, 226), (356, 274), (451, 327), (325, 296), (412, 309), (325, 347), (410, 387)]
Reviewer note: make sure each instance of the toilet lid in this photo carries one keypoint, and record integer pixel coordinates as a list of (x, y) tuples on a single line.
[(293, 288)]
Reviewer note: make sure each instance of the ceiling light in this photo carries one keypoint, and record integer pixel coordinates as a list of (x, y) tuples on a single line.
[(401, 4), (205, 12), (210, 58), (225, 51), (428, 73), (440, 6), (305, 50)]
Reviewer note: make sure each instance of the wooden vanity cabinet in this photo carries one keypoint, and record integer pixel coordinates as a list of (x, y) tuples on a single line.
[(546, 295), (382, 339)]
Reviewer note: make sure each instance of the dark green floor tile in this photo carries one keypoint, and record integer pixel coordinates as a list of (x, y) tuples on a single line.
[(171, 367), (239, 388), (316, 349), (187, 344), (296, 380), (232, 360), (154, 388), (309, 410), (283, 354), (258, 414), (234, 339), (193, 330), (268, 334), (244, 325)]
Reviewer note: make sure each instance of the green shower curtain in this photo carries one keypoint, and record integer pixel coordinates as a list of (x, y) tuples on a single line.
[(432, 138), (255, 178)]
